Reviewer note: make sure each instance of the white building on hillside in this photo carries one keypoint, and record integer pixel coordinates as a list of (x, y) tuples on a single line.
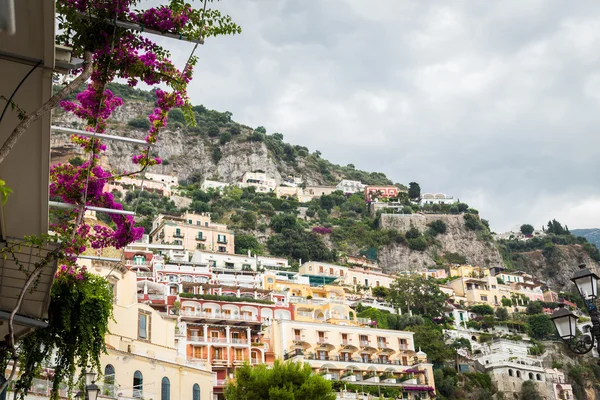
[(168, 180), (258, 179), (436, 198), (208, 184), (348, 186)]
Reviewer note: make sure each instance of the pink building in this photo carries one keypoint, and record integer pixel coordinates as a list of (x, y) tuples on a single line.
[(372, 193)]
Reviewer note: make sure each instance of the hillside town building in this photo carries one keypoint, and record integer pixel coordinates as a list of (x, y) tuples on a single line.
[(192, 231)]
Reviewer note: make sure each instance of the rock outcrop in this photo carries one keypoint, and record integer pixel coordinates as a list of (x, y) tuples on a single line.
[(457, 239)]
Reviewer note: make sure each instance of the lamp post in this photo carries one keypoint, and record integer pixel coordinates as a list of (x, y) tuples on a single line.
[(566, 323), (91, 389)]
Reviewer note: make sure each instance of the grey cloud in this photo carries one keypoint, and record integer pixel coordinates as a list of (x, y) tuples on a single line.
[(494, 102)]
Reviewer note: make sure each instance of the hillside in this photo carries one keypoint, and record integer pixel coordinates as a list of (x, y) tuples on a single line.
[(326, 228), (217, 148), (591, 235)]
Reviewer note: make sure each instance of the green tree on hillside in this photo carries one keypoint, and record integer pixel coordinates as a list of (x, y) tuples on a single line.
[(430, 339), (527, 229), (421, 295), (414, 191), (282, 381), (529, 391)]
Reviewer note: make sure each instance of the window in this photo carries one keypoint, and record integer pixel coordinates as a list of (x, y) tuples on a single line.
[(196, 392), (144, 325), (354, 280), (165, 389), (178, 233), (366, 282), (222, 249), (138, 382), (510, 372), (139, 260), (483, 298), (518, 374), (200, 237), (531, 375), (330, 271), (206, 224), (344, 338), (341, 272), (190, 221), (538, 377), (239, 354), (376, 283), (178, 242), (297, 334), (109, 374), (198, 223)]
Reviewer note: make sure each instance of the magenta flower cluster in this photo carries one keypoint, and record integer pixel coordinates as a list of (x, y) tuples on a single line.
[(66, 271), (163, 19), (321, 230), (125, 54)]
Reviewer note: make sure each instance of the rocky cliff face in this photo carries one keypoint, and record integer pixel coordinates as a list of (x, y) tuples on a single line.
[(557, 266), (457, 239), (185, 153)]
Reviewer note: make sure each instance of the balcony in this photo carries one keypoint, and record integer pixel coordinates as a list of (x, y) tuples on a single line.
[(219, 340), (219, 316), (349, 360), (200, 238), (223, 241), (219, 362), (178, 235), (143, 274)]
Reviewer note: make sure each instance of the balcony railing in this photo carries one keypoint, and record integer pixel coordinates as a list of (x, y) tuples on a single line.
[(217, 315), (200, 238), (304, 314), (143, 274), (365, 343), (316, 357), (178, 235)]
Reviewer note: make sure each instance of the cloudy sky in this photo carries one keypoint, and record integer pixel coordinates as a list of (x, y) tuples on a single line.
[(494, 102)]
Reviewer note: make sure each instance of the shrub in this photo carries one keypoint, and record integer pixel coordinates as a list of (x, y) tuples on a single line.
[(412, 233), (419, 244), (213, 130), (216, 155), (141, 123), (437, 227), (225, 138), (482, 309)]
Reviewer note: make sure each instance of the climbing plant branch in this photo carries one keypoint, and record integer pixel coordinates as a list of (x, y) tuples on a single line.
[(27, 120)]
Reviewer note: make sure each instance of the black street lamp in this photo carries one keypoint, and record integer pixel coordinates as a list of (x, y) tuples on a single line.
[(91, 389), (566, 323)]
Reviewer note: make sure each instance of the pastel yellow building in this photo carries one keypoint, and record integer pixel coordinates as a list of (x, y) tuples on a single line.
[(469, 271), (355, 354), (193, 231), (143, 360)]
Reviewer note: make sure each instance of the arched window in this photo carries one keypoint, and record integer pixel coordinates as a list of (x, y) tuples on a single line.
[(538, 377), (138, 383), (518, 374), (165, 389), (196, 392), (531, 375), (109, 374), (510, 372)]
